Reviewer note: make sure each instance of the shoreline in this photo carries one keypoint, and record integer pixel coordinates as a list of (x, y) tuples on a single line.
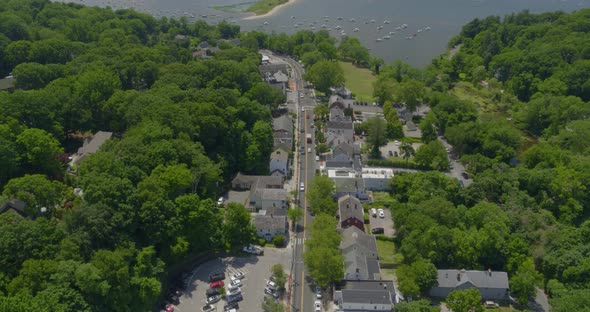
[(270, 13)]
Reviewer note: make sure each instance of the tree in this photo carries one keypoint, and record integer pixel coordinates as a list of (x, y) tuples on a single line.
[(295, 215), (417, 278), (376, 135), (407, 151), (422, 305), (522, 284), (427, 126), (468, 300), (266, 95), (32, 76), (352, 49), (237, 230), (433, 155), (324, 75), (39, 150), (326, 265), (269, 305), (410, 92), (319, 194), (279, 274), (36, 191)]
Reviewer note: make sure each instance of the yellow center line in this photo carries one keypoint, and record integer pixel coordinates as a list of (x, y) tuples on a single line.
[(304, 210)]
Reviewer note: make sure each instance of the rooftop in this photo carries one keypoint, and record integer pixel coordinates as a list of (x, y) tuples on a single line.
[(377, 173), (339, 173), (354, 236), (479, 279), (274, 194), (279, 154), (270, 222), (342, 124), (350, 207), (366, 296), (284, 122)]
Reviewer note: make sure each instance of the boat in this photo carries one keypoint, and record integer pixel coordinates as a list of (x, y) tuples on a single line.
[(373, 21), (420, 30), (386, 22), (409, 38), (324, 26), (338, 27), (292, 17), (378, 39), (355, 30), (405, 26), (343, 35), (386, 37), (339, 18), (427, 28), (265, 23), (352, 20), (379, 27), (392, 32)]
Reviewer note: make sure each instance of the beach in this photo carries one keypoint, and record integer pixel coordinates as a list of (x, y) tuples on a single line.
[(272, 12)]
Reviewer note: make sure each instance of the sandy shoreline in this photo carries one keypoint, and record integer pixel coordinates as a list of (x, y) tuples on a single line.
[(272, 12)]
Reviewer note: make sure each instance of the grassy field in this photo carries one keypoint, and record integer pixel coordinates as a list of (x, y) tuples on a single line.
[(386, 251), (233, 8), (264, 6), (359, 81)]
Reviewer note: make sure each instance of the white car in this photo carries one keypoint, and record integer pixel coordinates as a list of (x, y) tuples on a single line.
[(302, 187), (238, 275), (318, 292), (235, 283), (318, 306), (301, 95), (303, 109), (381, 213), (396, 142), (271, 284), (251, 249), (220, 201)]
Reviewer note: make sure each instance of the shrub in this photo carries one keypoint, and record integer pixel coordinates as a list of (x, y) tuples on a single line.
[(279, 240)]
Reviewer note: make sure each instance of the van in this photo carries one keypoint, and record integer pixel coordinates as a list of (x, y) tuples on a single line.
[(373, 212), (309, 149)]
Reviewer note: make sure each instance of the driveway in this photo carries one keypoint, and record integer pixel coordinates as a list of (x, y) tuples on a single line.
[(255, 268), (385, 223)]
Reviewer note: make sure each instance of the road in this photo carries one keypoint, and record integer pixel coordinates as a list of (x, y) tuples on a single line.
[(301, 292)]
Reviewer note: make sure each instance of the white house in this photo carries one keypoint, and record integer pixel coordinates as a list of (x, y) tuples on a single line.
[(356, 296), (267, 226), (279, 163)]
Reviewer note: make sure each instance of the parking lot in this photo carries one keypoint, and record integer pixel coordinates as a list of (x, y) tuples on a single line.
[(255, 268), (385, 223)]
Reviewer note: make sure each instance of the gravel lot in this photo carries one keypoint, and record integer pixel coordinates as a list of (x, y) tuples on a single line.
[(255, 268), (385, 223)]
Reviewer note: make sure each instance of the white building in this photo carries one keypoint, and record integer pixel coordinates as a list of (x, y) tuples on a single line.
[(377, 179)]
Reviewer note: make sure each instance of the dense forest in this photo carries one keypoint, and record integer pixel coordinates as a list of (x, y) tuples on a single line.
[(182, 127), (524, 141)]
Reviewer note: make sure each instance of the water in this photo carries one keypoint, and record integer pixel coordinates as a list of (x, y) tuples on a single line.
[(444, 17)]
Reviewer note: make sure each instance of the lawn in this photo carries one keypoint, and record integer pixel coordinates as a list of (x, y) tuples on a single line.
[(386, 251), (359, 81)]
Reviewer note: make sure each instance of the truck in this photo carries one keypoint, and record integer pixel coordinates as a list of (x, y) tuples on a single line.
[(308, 137)]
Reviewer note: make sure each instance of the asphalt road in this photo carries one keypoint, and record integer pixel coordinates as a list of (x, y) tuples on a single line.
[(302, 295)]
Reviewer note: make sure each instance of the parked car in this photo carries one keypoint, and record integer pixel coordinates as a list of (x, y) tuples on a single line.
[(208, 308), (234, 298), (374, 212), (213, 299), (465, 175), (378, 230), (217, 284), (271, 292), (451, 166), (302, 187), (318, 306), (220, 201), (396, 142), (391, 153), (271, 285), (169, 308), (229, 306), (238, 275), (255, 250), (236, 283), (318, 292), (216, 276), (234, 291), (381, 213)]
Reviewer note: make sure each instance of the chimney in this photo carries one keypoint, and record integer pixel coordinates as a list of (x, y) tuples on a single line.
[(490, 272)]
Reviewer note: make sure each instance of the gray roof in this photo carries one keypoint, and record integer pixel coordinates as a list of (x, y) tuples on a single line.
[(273, 68), (337, 138), (279, 154), (15, 204), (180, 37), (479, 279), (281, 77), (258, 181), (356, 262), (274, 194), (350, 207), (346, 185), (353, 235), (337, 104), (344, 148), (411, 126), (343, 124), (375, 285), (271, 222), (95, 142), (6, 83), (366, 296), (283, 122)]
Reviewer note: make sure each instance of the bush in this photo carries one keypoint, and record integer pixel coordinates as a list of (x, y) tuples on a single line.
[(261, 241), (396, 164), (279, 240)]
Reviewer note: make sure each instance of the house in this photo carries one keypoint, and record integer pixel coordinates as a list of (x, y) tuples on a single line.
[(333, 139), (7, 84), (15, 206), (492, 285), (180, 37), (349, 185), (336, 98), (262, 198), (377, 179), (279, 163), (271, 69), (359, 249), (268, 225), (337, 111), (347, 149), (265, 60), (91, 146), (356, 296), (354, 239), (341, 91), (246, 182), (350, 212), (339, 161), (343, 127), (283, 132)]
